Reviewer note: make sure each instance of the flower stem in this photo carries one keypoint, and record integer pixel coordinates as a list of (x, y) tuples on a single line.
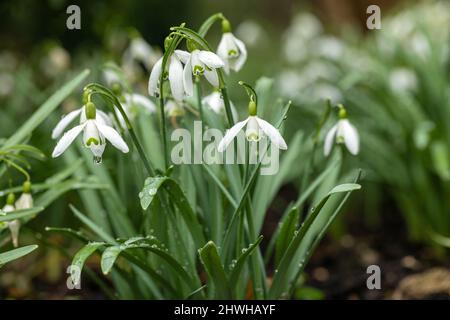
[(163, 130)]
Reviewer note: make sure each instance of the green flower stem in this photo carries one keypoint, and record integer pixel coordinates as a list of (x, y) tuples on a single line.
[(198, 89), (162, 121), (106, 93), (203, 30)]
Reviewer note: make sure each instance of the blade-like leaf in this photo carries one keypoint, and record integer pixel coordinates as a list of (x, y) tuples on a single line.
[(210, 259), (80, 258), (285, 271), (151, 188), (19, 214), (11, 255), (237, 268), (286, 233), (45, 110)]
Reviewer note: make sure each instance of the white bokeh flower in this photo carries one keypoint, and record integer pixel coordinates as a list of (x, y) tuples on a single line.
[(139, 50), (342, 132), (71, 116), (232, 50), (175, 76), (199, 63), (255, 129), (216, 103), (174, 108), (96, 132), (132, 104)]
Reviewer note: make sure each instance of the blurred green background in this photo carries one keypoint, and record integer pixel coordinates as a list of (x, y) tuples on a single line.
[(395, 83)]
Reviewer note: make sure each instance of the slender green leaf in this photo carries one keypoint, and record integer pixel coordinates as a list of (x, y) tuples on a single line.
[(80, 258), (45, 110), (286, 268), (210, 259), (14, 254), (151, 188), (19, 214), (239, 264), (286, 232)]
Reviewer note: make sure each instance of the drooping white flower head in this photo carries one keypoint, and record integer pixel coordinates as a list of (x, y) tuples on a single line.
[(342, 132), (25, 201), (255, 129), (9, 207), (111, 77), (139, 50), (199, 63), (132, 104), (71, 116), (174, 108), (216, 103), (231, 49), (95, 134), (175, 76), (14, 229)]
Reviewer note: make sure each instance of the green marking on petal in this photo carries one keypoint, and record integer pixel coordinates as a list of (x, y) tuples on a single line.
[(198, 70), (92, 140)]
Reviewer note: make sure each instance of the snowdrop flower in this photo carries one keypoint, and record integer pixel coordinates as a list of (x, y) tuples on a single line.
[(14, 225), (96, 132), (131, 105), (342, 132), (175, 76), (111, 77), (403, 79), (215, 102), (67, 119), (231, 50), (199, 63), (25, 200), (256, 128), (174, 108), (250, 32), (139, 50)]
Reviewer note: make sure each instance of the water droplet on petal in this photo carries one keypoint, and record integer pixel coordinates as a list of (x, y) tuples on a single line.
[(97, 160)]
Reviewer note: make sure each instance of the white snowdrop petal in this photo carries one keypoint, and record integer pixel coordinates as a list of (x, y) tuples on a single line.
[(214, 102), (329, 140), (25, 201), (64, 122), (239, 63), (183, 55), (212, 77), (153, 82), (187, 80), (114, 137), (67, 140), (14, 228), (273, 133), (222, 52), (140, 100), (210, 59), (102, 116), (176, 78), (230, 134), (351, 137)]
